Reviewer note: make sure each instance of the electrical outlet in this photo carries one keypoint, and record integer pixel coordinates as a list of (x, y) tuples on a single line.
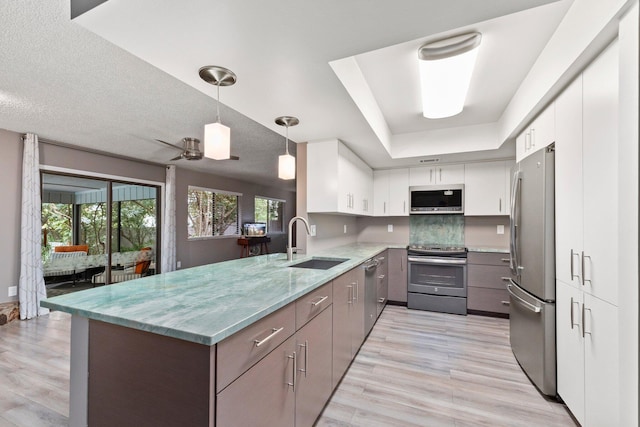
[(500, 229), (313, 229), (178, 264), (13, 291), (390, 228), (345, 229)]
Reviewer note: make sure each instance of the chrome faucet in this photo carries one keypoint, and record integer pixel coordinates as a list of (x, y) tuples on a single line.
[(289, 245)]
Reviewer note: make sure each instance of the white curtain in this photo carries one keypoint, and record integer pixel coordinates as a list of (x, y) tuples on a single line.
[(169, 222), (31, 285)]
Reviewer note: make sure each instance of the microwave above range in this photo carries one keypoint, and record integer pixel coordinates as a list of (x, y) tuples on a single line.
[(437, 199)]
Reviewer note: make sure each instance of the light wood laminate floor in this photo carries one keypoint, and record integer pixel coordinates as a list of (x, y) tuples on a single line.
[(415, 369)]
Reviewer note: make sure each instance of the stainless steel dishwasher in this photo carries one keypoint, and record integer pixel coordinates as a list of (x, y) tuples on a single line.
[(370, 294)]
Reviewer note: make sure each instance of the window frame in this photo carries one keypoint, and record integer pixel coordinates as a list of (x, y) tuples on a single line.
[(284, 202), (214, 192)]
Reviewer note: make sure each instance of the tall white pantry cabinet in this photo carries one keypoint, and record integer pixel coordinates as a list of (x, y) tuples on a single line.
[(587, 242)]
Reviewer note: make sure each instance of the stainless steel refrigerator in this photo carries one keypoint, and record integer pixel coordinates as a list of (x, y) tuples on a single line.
[(532, 290)]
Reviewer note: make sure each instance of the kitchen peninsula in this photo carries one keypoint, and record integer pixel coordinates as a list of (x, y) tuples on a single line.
[(243, 342)]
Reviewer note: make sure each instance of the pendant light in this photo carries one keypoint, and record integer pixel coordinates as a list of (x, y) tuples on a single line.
[(286, 162), (445, 73), (217, 137)]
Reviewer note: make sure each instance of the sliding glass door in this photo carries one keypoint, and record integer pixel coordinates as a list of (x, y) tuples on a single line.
[(97, 231)]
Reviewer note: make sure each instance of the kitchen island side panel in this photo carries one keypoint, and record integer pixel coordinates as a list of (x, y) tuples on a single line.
[(138, 378)]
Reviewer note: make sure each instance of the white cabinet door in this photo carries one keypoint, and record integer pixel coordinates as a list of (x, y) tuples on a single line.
[(542, 130), (381, 193), (485, 189), (600, 153), (421, 176), (398, 192), (601, 362), (570, 348), (508, 178), (338, 181), (539, 134), (568, 184), (450, 174)]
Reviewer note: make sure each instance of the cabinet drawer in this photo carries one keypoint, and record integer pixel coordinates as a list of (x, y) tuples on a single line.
[(242, 350), (488, 258), (486, 299), (309, 306), (488, 276)]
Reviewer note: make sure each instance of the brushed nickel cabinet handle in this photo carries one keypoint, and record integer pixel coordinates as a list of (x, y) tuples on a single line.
[(350, 296), (381, 276), (505, 302), (357, 291), (505, 279), (381, 300), (274, 332), (532, 139), (506, 260), (431, 175), (292, 384), (384, 207), (306, 357), (584, 323), (584, 270), (500, 204), (572, 322), (317, 303)]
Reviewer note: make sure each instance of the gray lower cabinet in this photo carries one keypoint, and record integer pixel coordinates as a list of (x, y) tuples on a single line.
[(382, 294), (348, 320), (397, 276), (487, 277), (314, 377), (288, 387)]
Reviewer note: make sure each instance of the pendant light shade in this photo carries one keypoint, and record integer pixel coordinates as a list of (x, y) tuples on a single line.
[(217, 141), (446, 67), (286, 162), (217, 137)]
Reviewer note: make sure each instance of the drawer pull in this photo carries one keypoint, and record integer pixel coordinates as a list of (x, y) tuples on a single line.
[(381, 276), (506, 260), (274, 332), (381, 300), (505, 279), (505, 302), (292, 384), (317, 303)]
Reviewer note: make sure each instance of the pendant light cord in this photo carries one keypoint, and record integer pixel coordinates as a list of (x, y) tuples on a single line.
[(218, 103), (287, 141)]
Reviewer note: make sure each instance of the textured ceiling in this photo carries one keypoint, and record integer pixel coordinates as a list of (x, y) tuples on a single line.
[(69, 84)]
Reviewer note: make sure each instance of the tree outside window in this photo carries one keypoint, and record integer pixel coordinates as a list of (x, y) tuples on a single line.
[(270, 212), (212, 213)]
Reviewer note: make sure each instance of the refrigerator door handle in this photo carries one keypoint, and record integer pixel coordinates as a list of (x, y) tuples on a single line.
[(513, 249), (524, 303)]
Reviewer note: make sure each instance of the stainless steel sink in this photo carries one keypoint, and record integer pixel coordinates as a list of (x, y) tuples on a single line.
[(320, 263)]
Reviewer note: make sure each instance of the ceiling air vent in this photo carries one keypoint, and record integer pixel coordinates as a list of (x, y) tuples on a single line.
[(429, 160)]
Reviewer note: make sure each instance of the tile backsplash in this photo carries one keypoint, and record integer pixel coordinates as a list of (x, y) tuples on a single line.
[(436, 229)]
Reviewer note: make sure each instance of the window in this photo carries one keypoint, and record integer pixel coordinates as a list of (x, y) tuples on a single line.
[(212, 213), (271, 212)]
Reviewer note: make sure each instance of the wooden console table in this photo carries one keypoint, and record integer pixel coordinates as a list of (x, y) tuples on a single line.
[(247, 242)]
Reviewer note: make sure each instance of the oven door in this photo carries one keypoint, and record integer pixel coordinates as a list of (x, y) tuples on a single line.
[(438, 275)]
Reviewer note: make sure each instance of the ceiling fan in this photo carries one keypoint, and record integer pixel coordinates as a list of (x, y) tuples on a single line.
[(190, 149)]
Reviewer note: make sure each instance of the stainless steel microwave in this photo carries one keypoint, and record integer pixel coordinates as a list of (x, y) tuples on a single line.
[(437, 199)]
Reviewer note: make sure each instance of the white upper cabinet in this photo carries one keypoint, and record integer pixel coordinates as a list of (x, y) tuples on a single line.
[(338, 181), (391, 192), (538, 135), (436, 175), (487, 188)]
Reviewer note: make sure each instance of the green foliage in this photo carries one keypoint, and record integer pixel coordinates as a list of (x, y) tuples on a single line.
[(211, 214)]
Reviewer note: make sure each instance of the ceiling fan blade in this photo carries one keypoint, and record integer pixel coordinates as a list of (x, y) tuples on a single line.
[(170, 145)]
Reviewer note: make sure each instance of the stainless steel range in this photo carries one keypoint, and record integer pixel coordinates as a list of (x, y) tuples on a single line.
[(437, 278)]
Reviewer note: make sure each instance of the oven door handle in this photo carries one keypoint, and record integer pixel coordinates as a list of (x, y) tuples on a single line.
[(423, 260)]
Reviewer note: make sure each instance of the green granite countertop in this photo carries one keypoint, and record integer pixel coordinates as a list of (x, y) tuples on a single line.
[(209, 303)]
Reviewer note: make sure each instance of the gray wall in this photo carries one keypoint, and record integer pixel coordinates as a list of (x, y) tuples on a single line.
[(11, 178), (190, 253), (204, 251)]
